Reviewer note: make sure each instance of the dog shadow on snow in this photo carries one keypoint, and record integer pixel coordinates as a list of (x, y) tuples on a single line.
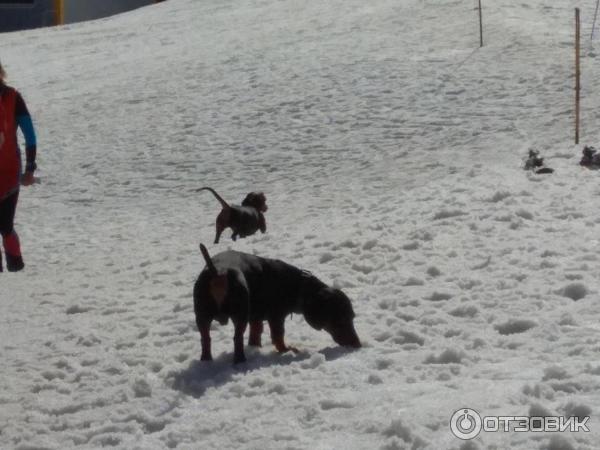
[(202, 375)]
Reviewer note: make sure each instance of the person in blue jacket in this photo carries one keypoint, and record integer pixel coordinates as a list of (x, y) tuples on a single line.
[(13, 115)]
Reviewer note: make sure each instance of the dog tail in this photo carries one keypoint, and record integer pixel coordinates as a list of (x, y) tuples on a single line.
[(211, 267), (217, 196)]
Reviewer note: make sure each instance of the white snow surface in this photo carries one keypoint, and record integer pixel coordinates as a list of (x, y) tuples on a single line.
[(390, 148)]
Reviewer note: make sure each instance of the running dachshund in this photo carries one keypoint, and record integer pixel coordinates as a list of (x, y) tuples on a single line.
[(245, 219), (249, 289)]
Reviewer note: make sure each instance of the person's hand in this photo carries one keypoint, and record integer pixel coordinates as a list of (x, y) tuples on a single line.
[(27, 179)]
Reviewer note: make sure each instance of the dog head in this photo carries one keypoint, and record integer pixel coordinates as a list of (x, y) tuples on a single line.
[(589, 152), (256, 200), (330, 309)]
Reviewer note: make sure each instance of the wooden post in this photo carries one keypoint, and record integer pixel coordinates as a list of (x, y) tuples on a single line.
[(59, 12), (577, 73), (595, 17), (480, 26)]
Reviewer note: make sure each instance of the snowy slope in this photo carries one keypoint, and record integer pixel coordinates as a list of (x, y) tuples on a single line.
[(390, 150)]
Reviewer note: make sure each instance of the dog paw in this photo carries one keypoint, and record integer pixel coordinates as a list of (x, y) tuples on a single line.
[(206, 358)]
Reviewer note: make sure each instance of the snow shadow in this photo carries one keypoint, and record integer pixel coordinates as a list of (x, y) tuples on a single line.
[(201, 375), (333, 353)]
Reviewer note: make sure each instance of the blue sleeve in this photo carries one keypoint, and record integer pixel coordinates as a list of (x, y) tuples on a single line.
[(26, 125)]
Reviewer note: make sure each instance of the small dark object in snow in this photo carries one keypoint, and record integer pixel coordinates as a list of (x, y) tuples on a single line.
[(545, 170), (535, 163), (534, 160), (590, 158)]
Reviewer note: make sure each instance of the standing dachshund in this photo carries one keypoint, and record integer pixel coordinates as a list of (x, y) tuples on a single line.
[(244, 220), (250, 289)]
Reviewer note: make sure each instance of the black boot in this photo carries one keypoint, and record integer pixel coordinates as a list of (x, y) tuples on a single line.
[(14, 263), (0, 261)]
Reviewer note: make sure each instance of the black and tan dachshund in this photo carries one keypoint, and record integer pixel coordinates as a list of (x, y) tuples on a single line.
[(245, 219), (249, 289)]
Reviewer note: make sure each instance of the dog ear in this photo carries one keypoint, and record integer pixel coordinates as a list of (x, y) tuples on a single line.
[(314, 311), (327, 306), (249, 200)]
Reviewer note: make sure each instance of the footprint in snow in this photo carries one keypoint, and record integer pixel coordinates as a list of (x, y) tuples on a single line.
[(515, 326)]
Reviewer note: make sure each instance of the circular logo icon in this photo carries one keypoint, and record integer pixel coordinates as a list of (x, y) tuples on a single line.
[(465, 424)]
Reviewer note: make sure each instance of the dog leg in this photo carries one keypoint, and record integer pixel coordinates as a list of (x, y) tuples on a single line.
[(277, 331), (219, 230), (238, 341), (222, 223), (205, 341), (256, 329), (262, 224)]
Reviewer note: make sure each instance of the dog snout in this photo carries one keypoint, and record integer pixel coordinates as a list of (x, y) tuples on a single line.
[(346, 336)]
